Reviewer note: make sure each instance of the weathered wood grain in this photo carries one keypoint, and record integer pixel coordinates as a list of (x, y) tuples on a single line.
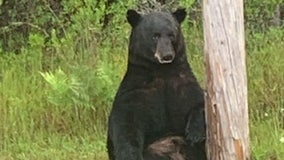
[(226, 97)]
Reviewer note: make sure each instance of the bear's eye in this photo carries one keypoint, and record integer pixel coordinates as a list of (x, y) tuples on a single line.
[(171, 36), (156, 36)]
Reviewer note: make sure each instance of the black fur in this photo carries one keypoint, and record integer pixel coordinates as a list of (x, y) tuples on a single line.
[(159, 94)]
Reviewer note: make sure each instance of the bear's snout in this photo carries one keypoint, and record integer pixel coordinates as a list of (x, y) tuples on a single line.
[(164, 58), (164, 51), (168, 58)]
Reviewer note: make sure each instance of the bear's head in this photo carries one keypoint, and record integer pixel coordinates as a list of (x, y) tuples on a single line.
[(156, 37)]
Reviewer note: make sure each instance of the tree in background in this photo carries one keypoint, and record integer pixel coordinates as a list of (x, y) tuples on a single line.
[(148, 5), (20, 18)]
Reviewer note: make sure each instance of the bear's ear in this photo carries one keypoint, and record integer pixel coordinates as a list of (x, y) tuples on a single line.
[(133, 17), (179, 14)]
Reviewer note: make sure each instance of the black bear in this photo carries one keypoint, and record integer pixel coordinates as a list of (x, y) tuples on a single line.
[(159, 96), (172, 148), (168, 148)]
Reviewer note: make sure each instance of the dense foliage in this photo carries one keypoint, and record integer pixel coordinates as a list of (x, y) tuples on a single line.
[(62, 60)]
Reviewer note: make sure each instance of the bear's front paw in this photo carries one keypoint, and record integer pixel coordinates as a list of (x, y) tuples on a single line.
[(195, 136), (195, 130)]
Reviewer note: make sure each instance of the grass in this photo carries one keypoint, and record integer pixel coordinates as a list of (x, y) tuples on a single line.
[(54, 146), (266, 92), (65, 118), (34, 126)]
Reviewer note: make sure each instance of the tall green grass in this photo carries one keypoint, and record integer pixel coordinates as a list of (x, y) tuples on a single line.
[(55, 97), (266, 94)]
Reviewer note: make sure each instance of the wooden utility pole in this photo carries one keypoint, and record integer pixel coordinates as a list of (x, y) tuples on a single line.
[(226, 98)]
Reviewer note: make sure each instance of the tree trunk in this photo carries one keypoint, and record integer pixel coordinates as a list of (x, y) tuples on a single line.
[(276, 21), (226, 98)]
